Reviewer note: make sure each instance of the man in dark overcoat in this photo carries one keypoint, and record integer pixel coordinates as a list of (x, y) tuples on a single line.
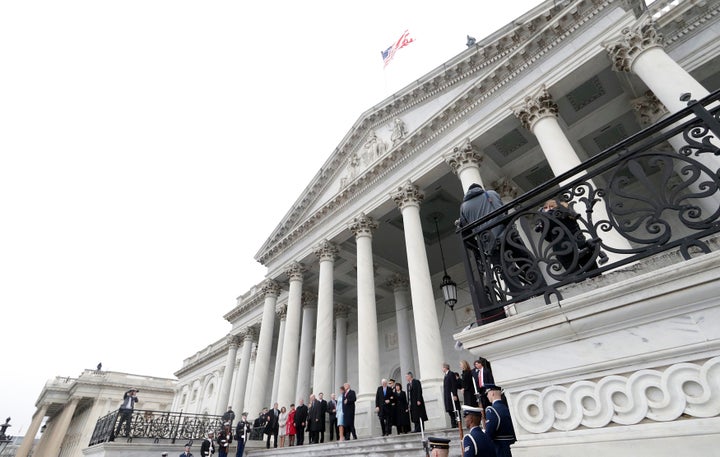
[(415, 401)]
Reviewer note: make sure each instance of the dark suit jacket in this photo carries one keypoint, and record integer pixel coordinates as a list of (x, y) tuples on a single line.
[(324, 409), (301, 415), (271, 427), (349, 409), (380, 398), (415, 395), (450, 383), (315, 415), (487, 378), (207, 447)]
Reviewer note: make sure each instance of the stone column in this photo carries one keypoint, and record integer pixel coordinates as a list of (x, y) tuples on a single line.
[(251, 375), (465, 162), (341, 316), (323, 377), (368, 345), (281, 316), (60, 429), (224, 397), (639, 49), (307, 343), (241, 381), (427, 327), (271, 290), (369, 353), (399, 285), (289, 367), (538, 113), (32, 431)]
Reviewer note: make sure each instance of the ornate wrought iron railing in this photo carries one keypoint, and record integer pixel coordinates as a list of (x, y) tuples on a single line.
[(157, 426), (655, 191)]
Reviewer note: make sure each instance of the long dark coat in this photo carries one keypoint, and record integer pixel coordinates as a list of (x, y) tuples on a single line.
[(415, 395)]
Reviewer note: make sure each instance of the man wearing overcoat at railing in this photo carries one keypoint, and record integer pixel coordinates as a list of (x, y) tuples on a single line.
[(416, 402)]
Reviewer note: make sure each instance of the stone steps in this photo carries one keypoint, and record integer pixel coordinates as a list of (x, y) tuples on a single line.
[(389, 446)]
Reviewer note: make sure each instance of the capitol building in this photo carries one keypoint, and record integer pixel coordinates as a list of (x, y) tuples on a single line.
[(580, 100)]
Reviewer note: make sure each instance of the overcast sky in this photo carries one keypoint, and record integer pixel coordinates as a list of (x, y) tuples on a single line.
[(148, 148)]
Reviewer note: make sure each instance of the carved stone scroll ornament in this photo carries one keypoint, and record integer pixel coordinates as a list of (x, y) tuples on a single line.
[(687, 389)]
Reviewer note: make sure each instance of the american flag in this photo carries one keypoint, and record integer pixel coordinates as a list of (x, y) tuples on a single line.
[(389, 53)]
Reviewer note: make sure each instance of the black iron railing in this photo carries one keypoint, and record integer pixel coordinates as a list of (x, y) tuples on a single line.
[(655, 191), (157, 426)]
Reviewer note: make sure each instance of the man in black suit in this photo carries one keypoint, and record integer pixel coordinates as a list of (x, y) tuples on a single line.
[(324, 410), (271, 425), (416, 402), (383, 397), (483, 376), (349, 411), (450, 396), (314, 413), (187, 452), (301, 416)]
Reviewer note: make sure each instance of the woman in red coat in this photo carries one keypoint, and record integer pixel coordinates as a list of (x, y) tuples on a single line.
[(290, 426)]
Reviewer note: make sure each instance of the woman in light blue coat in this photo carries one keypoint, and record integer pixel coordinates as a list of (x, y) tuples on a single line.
[(340, 415)]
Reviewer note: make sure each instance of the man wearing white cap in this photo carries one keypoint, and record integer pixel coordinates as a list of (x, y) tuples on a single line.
[(208, 447), (475, 443)]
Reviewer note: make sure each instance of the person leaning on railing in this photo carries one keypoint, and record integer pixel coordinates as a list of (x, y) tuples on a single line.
[(566, 237)]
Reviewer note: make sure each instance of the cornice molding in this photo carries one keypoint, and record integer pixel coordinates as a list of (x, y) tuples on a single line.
[(245, 306)]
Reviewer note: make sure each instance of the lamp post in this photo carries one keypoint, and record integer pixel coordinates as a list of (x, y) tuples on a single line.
[(448, 286)]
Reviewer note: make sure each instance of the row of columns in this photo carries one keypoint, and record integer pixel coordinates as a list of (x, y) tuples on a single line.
[(292, 367)]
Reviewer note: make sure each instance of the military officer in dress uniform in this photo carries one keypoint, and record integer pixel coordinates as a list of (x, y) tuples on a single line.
[(498, 425), (439, 447), (475, 443)]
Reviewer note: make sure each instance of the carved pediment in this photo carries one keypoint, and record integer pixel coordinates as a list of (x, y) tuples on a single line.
[(377, 141)]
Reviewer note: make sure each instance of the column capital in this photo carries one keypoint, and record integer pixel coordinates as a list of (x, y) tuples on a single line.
[(270, 287), (281, 312), (362, 225), (341, 310), (295, 271), (535, 107), (397, 282), (326, 251), (506, 188), (249, 333), (232, 340), (648, 108), (464, 156), (632, 42), (309, 299), (408, 194)]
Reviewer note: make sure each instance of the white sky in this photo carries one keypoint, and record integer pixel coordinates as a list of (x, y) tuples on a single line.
[(148, 148)]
